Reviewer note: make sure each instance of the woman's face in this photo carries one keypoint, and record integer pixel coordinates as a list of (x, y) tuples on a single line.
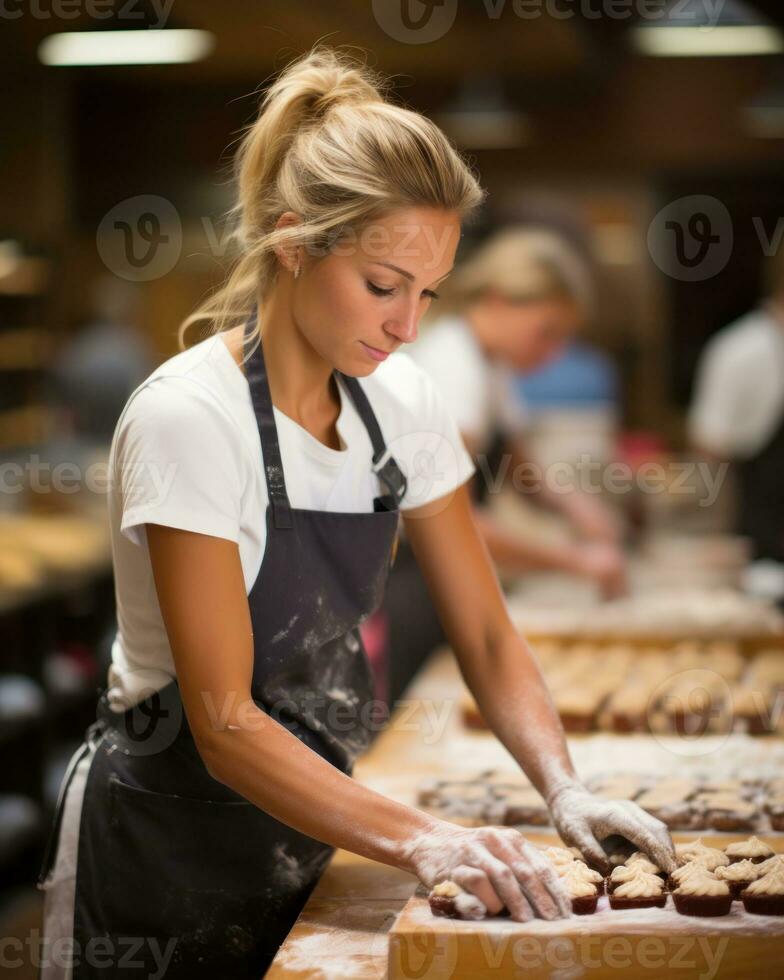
[(528, 335), (364, 300)]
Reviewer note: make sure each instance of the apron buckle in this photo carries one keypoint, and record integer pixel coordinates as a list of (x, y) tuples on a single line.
[(390, 474)]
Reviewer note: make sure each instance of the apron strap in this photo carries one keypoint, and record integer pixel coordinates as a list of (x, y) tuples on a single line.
[(384, 464), (91, 738), (256, 373)]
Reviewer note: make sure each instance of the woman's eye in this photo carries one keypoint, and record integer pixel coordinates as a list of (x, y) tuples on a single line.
[(379, 290)]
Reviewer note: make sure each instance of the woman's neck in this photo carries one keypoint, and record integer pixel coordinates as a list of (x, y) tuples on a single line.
[(301, 383)]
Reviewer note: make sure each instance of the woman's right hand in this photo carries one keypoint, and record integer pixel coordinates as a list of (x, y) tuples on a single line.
[(495, 864)]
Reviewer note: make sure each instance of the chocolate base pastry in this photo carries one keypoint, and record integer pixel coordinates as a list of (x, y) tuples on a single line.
[(580, 880), (641, 861), (627, 709), (642, 890), (753, 849), (509, 799), (622, 902), (449, 900), (578, 708), (726, 811), (765, 866), (765, 896), (464, 802), (584, 904), (616, 787), (561, 856), (670, 804), (775, 811), (738, 875), (519, 806), (695, 852), (634, 865), (702, 894)]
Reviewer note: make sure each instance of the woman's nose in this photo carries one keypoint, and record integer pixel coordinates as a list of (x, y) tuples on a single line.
[(404, 327)]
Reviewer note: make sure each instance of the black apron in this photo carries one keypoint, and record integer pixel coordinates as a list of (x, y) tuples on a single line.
[(761, 491), (172, 857)]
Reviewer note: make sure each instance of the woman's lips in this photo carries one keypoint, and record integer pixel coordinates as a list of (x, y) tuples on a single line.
[(374, 352)]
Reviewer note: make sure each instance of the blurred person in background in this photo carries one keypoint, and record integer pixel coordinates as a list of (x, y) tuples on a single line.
[(737, 413), (513, 307), (96, 370)]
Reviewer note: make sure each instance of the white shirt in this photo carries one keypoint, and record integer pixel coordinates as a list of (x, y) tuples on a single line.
[(186, 453), (478, 391), (739, 393)]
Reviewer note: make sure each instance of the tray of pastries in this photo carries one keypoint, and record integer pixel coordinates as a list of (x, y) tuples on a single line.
[(705, 884), (696, 804), (688, 688)]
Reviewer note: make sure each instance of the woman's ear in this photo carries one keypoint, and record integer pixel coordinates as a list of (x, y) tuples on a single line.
[(289, 256)]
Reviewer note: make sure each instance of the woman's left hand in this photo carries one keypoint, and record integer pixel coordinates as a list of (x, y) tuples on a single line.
[(583, 820)]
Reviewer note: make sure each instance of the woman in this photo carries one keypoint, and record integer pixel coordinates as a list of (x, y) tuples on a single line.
[(512, 306), (258, 485)]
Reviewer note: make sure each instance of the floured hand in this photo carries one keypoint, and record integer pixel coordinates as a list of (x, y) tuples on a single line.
[(495, 864), (583, 820)]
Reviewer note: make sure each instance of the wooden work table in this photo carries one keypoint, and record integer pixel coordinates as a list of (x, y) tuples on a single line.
[(343, 930)]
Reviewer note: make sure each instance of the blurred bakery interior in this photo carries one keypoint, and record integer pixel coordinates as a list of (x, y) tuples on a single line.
[(653, 147)]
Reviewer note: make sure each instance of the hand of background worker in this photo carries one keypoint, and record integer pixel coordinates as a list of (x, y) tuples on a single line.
[(497, 865), (592, 518), (603, 563), (584, 820)]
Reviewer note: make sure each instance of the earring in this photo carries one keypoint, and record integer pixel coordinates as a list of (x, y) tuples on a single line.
[(296, 272)]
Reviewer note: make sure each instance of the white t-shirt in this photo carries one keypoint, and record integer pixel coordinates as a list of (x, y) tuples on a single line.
[(739, 394), (478, 391), (186, 453)]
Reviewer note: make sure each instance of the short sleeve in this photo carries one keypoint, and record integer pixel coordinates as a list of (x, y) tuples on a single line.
[(452, 361), (178, 461), (716, 416), (430, 450)]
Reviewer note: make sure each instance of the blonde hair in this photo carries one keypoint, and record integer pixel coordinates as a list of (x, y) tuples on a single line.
[(522, 264), (328, 146)]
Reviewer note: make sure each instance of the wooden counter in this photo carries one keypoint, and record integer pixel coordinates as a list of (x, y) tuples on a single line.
[(343, 931)]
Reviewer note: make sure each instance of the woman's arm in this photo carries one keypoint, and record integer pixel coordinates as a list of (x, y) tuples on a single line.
[(201, 592), (505, 679)]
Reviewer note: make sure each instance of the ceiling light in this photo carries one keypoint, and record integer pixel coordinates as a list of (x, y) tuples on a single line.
[(702, 42), (142, 47), (696, 29)]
